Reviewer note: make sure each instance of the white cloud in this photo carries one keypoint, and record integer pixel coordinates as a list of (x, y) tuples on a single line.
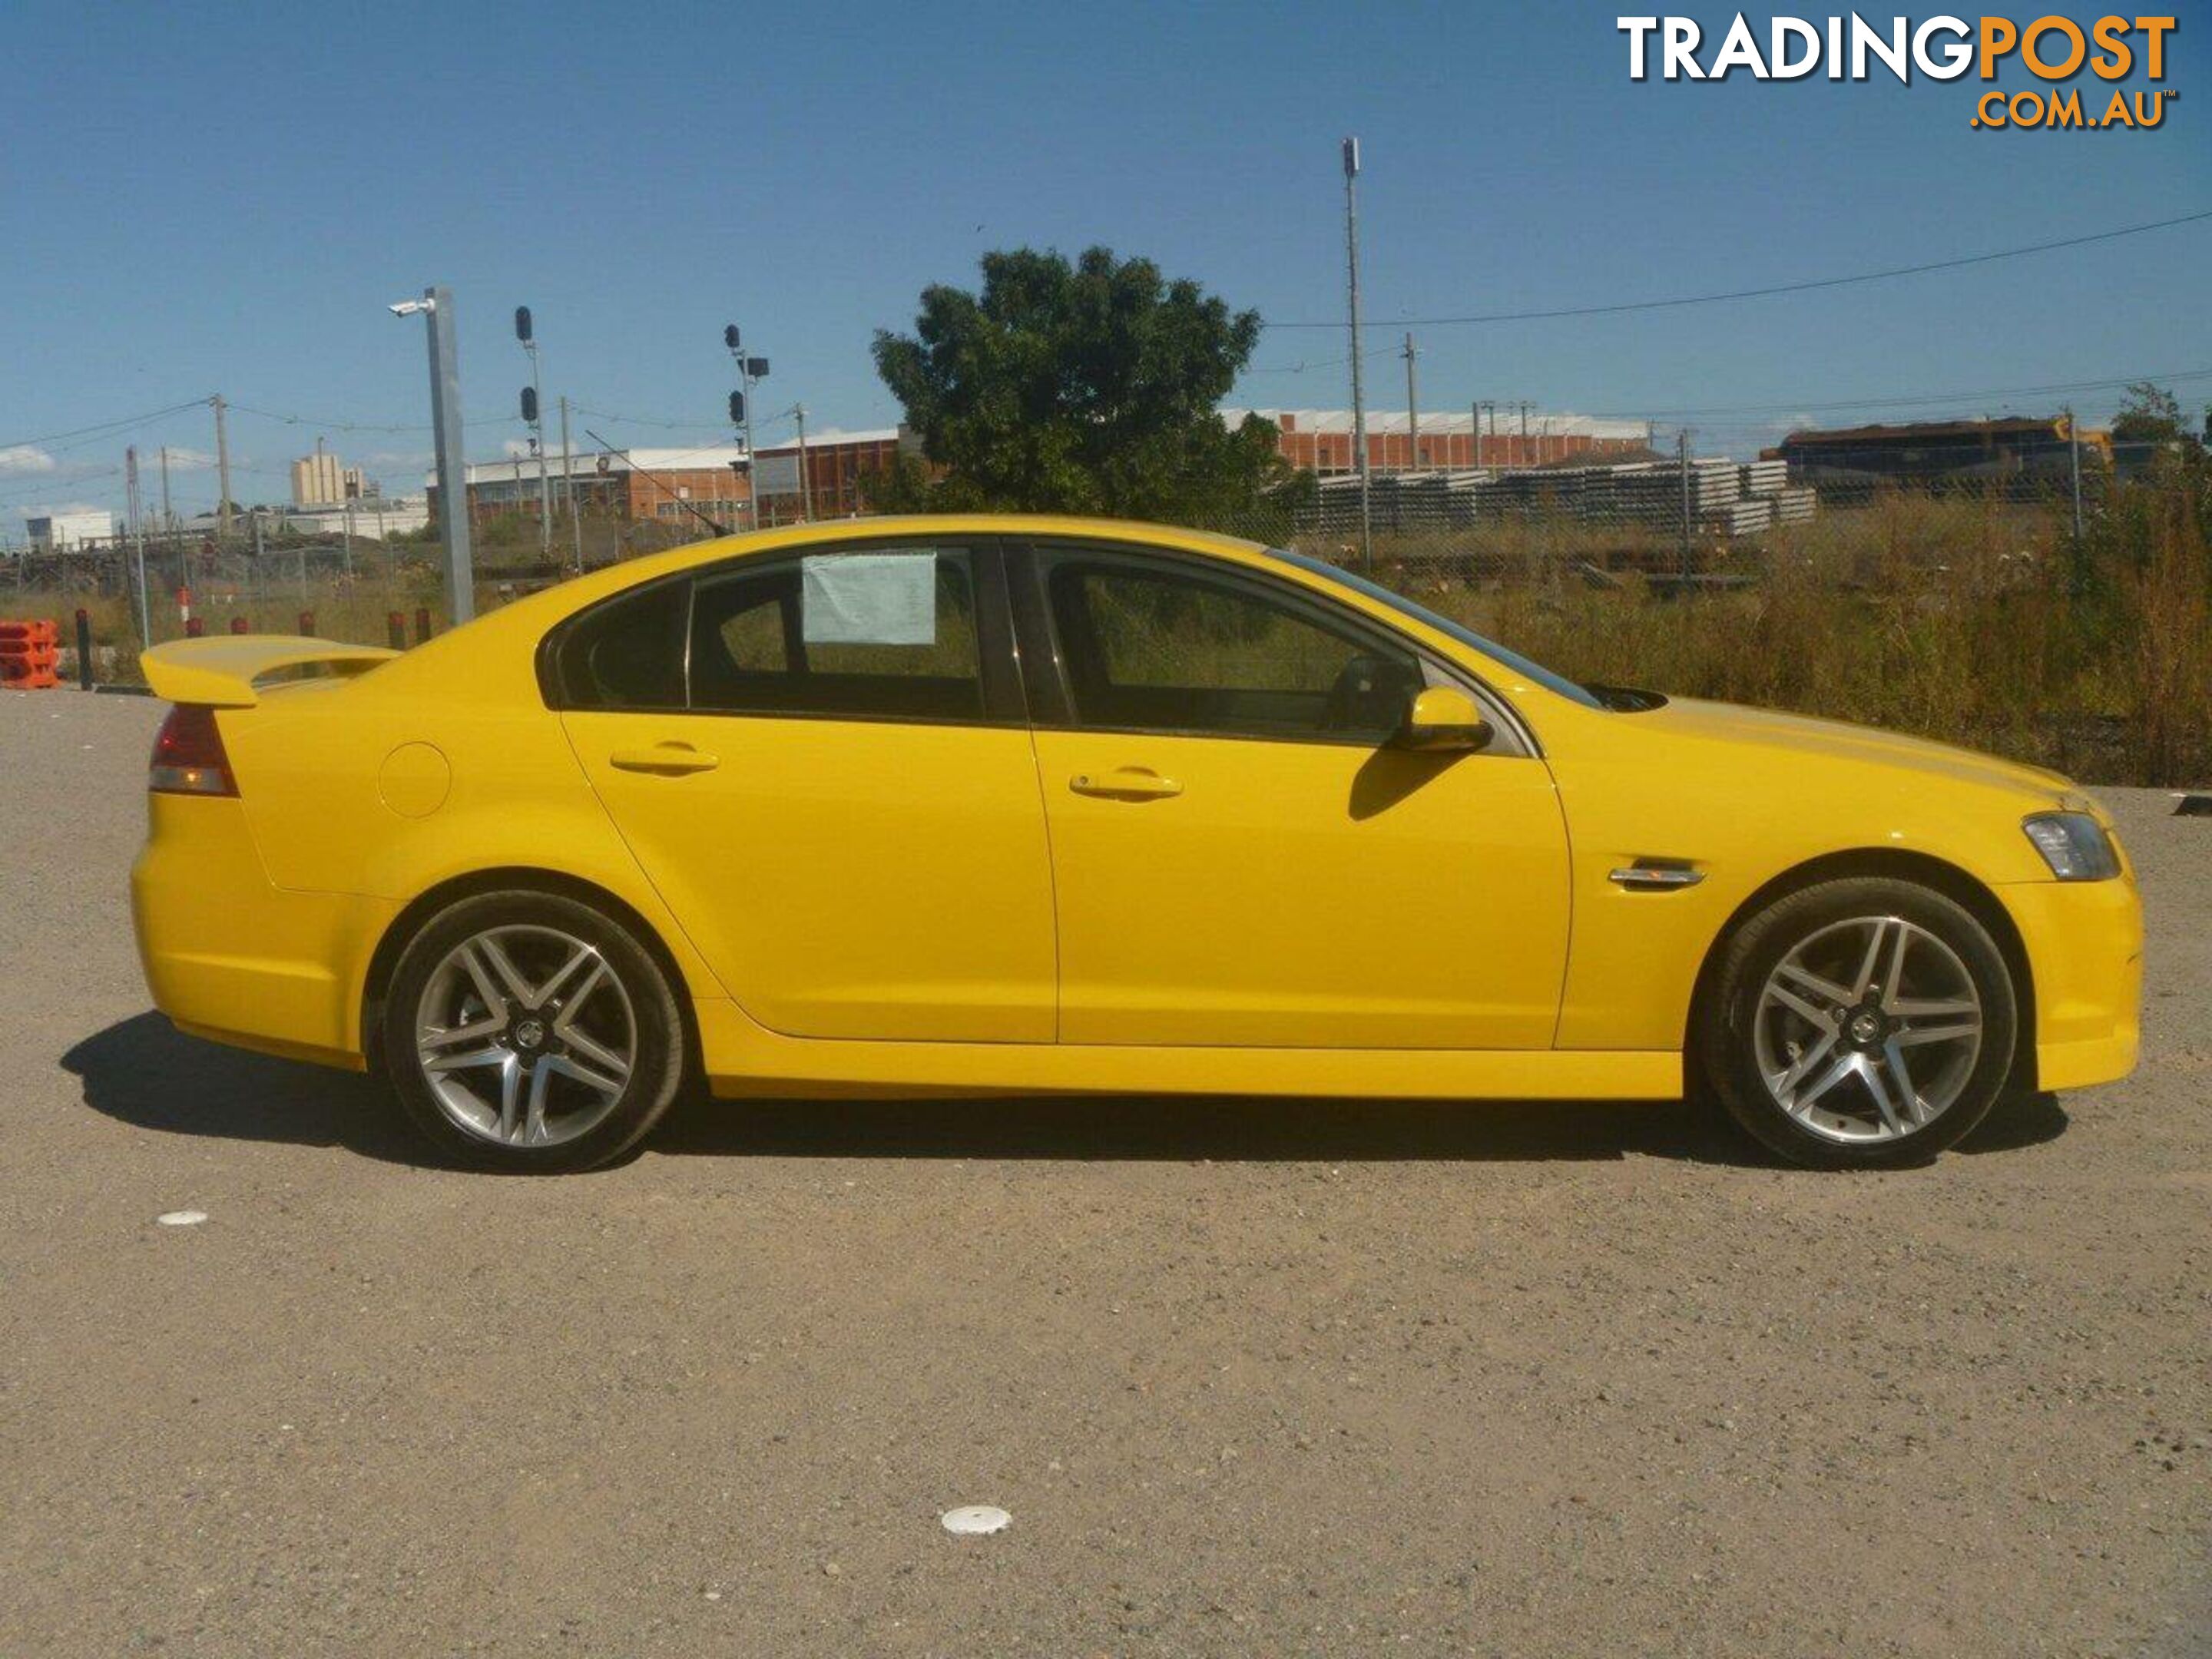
[(22, 458), (46, 509), (181, 461), (517, 449)]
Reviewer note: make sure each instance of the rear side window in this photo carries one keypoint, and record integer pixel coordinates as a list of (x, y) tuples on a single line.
[(628, 653), (877, 634), (884, 633)]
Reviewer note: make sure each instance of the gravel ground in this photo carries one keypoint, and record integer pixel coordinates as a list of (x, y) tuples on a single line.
[(1252, 1378)]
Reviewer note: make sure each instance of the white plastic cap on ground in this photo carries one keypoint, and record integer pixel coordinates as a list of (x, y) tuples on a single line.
[(976, 1519)]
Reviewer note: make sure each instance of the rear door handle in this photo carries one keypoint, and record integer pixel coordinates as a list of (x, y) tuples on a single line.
[(1124, 783), (666, 758)]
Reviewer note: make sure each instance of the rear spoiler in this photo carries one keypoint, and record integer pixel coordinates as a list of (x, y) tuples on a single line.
[(227, 672)]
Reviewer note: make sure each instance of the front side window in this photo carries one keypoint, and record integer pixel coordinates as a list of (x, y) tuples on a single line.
[(1559, 685), (1159, 647)]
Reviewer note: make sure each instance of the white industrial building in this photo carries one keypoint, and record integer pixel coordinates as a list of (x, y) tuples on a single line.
[(64, 532)]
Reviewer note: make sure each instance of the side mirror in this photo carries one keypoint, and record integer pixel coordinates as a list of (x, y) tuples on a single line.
[(1443, 719)]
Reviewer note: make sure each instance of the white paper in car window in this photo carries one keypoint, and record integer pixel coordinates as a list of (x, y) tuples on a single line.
[(868, 598)]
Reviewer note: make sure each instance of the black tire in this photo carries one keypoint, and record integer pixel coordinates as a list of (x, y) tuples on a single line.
[(1725, 1038), (650, 1015)]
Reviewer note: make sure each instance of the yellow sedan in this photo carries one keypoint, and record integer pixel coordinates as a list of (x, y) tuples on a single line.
[(994, 804)]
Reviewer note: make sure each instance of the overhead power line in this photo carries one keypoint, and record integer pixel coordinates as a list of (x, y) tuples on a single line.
[(333, 424), (100, 427), (650, 419), (1777, 287), (1979, 394), (781, 418)]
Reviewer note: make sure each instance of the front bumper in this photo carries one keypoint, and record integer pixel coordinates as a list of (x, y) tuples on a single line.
[(229, 955), (2084, 942)]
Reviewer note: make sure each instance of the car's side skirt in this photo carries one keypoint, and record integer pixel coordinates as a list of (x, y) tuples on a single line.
[(742, 1058)]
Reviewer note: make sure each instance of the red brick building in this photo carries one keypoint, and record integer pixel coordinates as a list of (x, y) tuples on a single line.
[(1320, 440), (665, 484)]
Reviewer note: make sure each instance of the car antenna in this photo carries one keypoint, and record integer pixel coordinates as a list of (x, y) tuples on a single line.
[(681, 500)]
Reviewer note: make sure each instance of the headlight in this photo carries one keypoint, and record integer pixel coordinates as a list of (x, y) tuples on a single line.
[(2074, 846)]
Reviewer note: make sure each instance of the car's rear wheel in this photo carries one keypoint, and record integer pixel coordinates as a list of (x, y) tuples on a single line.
[(1860, 1023), (530, 1032)]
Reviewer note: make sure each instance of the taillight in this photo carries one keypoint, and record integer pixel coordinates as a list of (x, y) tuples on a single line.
[(188, 757)]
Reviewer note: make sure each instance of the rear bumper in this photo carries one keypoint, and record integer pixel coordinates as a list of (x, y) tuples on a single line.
[(2085, 943), (229, 956)]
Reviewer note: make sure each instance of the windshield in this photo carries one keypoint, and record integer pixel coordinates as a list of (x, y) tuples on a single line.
[(1556, 683)]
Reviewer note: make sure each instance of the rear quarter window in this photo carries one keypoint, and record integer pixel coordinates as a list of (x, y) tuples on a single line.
[(625, 653)]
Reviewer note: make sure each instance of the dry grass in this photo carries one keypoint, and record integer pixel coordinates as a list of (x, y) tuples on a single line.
[(1974, 623)]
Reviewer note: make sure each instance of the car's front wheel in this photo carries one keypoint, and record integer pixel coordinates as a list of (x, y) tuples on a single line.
[(530, 1032), (1859, 1023)]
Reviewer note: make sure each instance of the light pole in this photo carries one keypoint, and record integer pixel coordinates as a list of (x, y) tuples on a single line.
[(533, 415), (750, 371), (437, 306), (1358, 399)]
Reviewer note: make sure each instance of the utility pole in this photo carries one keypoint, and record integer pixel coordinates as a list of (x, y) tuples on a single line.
[(531, 412), (1682, 460), (805, 484), (168, 520), (221, 473), (1524, 432), (134, 510), (568, 487), (437, 305), (1358, 397), (1413, 410), (2074, 448)]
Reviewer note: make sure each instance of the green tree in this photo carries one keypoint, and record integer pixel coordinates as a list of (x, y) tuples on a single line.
[(2151, 415), (1088, 386)]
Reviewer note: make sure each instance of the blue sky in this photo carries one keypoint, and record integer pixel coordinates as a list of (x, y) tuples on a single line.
[(225, 198)]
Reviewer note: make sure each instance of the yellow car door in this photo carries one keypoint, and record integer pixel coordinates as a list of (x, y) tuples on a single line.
[(821, 763), (1239, 856)]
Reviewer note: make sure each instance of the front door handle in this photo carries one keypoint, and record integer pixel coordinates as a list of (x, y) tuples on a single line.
[(665, 758), (1124, 783)]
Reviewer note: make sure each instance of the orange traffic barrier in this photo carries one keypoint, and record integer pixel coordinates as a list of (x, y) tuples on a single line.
[(30, 655)]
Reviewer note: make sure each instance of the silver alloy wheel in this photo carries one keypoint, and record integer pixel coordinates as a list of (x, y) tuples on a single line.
[(525, 1036), (1867, 1029)]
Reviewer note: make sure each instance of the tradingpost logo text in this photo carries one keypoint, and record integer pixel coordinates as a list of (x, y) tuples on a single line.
[(2053, 51)]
